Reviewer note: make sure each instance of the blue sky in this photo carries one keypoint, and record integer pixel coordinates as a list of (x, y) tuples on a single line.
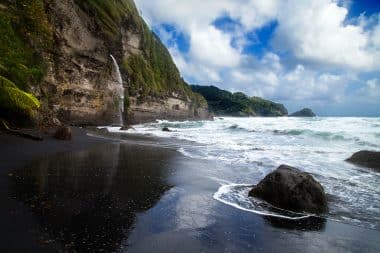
[(323, 54)]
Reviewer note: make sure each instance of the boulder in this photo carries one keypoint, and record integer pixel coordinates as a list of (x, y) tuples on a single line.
[(369, 159), (166, 129), (291, 189), (126, 128), (63, 133), (306, 112)]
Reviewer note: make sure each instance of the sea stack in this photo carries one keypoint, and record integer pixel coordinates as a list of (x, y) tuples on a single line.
[(305, 112)]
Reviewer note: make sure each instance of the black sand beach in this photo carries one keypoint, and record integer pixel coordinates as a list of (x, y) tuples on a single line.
[(100, 195)]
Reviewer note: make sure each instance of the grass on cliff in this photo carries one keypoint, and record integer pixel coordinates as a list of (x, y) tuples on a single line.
[(152, 73), (25, 35), (238, 104)]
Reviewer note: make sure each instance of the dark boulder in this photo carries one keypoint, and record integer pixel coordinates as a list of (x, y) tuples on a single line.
[(291, 189), (126, 128), (306, 112), (63, 133), (369, 159), (166, 129)]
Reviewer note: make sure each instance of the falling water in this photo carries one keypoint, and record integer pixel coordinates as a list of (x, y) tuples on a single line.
[(119, 90)]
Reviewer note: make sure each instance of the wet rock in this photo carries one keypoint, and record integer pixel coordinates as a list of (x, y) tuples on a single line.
[(291, 189), (63, 133), (369, 159), (166, 129), (103, 131), (126, 128)]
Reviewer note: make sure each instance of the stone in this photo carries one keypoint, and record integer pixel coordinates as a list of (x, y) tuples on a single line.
[(63, 133), (126, 128), (291, 189), (166, 129), (369, 159)]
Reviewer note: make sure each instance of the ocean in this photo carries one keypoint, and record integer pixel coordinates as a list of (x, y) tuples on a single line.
[(250, 148)]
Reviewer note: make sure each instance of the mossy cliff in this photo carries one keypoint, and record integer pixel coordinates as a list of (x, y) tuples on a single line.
[(25, 37), (58, 53)]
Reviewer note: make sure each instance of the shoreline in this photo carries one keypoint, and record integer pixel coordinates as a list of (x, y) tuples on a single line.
[(163, 176)]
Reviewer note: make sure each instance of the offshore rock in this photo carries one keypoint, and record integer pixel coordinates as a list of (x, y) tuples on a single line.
[(369, 159)]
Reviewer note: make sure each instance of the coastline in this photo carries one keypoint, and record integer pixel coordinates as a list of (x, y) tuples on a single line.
[(172, 196)]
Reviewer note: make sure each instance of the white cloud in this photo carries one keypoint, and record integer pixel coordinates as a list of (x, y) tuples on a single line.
[(212, 47), (318, 52), (315, 30)]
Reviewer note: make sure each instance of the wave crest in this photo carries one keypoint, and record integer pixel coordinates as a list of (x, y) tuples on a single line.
[(236, 195)]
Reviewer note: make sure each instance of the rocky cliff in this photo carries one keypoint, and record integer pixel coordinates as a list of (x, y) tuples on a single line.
[(72, 42)]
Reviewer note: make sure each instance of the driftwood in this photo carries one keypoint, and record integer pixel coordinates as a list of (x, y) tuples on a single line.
[(8, 130)]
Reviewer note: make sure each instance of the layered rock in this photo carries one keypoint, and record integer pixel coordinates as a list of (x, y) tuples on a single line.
[(290, 189), (171, 108)]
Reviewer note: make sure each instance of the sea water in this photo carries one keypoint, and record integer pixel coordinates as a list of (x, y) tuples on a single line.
[(253, 147)]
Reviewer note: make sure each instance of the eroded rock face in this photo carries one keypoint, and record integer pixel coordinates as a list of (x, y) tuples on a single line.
[(80, 81), (80, 85), (291, 189), (370, 159), (171, 108)]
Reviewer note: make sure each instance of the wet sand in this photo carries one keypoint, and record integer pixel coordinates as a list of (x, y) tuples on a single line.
[(98, 195)]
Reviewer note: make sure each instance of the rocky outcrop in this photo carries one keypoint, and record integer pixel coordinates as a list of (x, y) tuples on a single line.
[(80, 83), (291, 189), (369, 159), (79, 87), (306, 112), (171, 108)]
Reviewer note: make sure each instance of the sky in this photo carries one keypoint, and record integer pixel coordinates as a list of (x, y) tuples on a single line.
[(322, 54)]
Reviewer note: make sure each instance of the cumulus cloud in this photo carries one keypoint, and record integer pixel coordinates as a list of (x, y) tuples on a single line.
[(315, 30), (212, 47), (316, 54)]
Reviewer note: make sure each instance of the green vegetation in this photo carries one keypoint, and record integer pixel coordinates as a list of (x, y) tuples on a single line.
[(151, 73), (108, 14), (25, 35), (27, 41), (222, 102), (12, 99)]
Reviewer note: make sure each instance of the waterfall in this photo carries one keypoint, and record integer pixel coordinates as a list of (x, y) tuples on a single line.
[(119, 90)]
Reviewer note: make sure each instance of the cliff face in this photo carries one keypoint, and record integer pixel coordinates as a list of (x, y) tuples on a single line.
[(79, 84)]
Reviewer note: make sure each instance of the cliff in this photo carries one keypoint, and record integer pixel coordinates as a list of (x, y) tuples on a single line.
[(60, 52), (223, 102)]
